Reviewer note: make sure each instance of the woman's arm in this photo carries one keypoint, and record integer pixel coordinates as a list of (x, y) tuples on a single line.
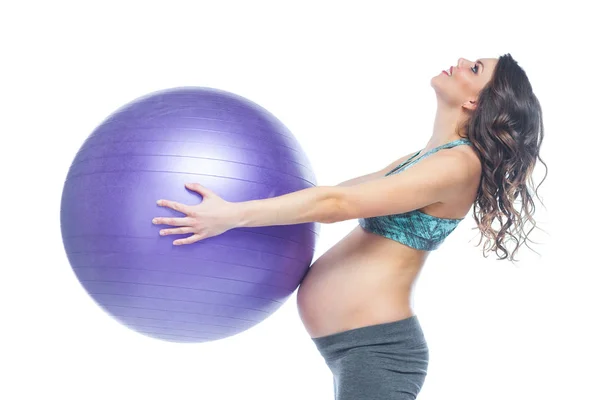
[(361, 179), (375, 175), (432, 180), (213, 216), (435, 179), (317, 204)]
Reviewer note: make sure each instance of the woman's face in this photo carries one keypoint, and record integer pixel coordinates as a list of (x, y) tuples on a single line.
[(461, 88)]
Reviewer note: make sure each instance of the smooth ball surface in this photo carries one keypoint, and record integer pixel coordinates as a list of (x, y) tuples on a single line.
[(148, 150)]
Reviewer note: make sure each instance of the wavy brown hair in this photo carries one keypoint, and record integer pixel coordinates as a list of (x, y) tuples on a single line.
[(506, 130)]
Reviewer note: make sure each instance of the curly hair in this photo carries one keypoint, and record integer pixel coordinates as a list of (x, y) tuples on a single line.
[(506, 130)]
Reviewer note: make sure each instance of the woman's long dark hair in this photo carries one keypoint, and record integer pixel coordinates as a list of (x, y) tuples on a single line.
[(506, 130)]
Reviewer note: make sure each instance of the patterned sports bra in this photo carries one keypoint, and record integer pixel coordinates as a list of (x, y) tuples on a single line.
[(414, 228)]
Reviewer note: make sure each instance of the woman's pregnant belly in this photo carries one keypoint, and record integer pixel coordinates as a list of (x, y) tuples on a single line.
[(364, 279)]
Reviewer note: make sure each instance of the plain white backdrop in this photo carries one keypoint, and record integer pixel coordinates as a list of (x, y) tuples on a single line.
[(351, 80)]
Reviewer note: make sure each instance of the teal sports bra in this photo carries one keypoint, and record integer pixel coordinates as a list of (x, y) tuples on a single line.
[(414, 228)]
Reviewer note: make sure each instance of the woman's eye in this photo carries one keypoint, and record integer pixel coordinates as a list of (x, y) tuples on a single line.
[(474, 68)]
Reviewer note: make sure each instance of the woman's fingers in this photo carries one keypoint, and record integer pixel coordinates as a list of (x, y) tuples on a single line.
[(186, 221), (182, 208), (188, 240), (176, 231)]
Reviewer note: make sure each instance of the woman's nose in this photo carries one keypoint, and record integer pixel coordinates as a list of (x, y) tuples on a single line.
[(462, 61)]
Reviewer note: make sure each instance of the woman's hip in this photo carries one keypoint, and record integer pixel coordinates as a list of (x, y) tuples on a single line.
[(388, 360), (399, 335)]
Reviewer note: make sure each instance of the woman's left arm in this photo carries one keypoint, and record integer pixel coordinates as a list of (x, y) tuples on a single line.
[(315, 204), (214, 216), (436, 179)]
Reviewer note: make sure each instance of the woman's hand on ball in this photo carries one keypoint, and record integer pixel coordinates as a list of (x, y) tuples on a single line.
[(212, 217)]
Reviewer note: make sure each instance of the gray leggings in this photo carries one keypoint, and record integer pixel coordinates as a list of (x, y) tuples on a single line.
[(377, 362)]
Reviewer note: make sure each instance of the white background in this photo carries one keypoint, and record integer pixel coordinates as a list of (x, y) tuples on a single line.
[(352, 81)]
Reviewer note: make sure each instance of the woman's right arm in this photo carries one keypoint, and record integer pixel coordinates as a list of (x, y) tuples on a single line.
[(375, 175), (360, 179)]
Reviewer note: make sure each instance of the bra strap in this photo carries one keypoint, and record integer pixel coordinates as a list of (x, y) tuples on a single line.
[(430, 152), (446, 146)]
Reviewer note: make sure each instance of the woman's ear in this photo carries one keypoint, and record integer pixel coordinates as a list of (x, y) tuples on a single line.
[(470, 105)]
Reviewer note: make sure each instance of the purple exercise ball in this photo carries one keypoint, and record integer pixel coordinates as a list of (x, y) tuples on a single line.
[(147, 150)]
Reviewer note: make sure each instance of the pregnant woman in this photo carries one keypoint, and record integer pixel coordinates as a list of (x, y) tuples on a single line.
[(355, 301)]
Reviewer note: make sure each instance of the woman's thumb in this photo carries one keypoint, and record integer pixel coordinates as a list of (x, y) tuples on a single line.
[(196, 187)]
